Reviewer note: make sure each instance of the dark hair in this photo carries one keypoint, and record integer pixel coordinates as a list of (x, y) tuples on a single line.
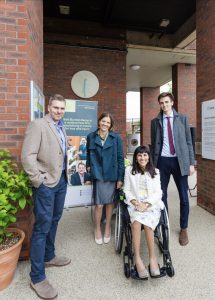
[(149, 167), (104, 115), (57, 97), (166, 94), (81, 163)]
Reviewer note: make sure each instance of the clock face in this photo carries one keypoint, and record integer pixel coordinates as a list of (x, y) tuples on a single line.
[(85, 84)]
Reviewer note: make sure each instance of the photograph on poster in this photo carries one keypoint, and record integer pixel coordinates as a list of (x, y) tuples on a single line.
[(37, 102), (76, 162), (79, 190), (79, 120), (72, 156), (81, 176)]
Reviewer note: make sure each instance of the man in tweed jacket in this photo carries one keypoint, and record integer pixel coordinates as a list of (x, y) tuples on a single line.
[(44, 160)]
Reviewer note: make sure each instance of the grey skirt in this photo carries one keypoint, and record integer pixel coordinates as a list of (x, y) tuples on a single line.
[(103, 192)]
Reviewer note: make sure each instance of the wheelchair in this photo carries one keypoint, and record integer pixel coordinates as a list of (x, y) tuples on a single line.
[(123, 231)]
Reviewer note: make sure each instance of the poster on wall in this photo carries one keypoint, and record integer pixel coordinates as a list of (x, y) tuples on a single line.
[(208, 129), (79, 120), (37, 102)]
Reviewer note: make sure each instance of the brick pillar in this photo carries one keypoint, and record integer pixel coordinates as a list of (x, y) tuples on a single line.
[(205, 27), (21, 60), (184, 90), (149, 108)]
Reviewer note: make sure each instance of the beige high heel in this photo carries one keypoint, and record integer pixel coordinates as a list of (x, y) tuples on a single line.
[(144, 275), (99, 241), (106, 240)]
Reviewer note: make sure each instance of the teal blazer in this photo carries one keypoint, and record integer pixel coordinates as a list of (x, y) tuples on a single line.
[(105, 162)]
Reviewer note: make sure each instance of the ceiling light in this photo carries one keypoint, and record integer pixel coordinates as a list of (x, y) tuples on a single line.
[(134, 67), (164, 22), (64, 10)]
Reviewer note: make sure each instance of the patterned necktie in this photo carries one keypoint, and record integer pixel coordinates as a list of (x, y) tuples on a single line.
[(171, 145), (60, 132), (63, 143)]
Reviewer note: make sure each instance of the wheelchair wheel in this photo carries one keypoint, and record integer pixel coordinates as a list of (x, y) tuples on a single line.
[(118, 229), (162, 232), (170, 270), (166, 231), (127, 270)]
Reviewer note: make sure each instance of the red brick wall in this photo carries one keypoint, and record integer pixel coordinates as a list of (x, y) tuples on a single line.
[(109, 65), (205, 91), (149, 109), (21, 60), (184, 90)]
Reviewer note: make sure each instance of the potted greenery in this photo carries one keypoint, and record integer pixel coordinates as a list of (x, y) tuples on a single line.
[(15, 194)]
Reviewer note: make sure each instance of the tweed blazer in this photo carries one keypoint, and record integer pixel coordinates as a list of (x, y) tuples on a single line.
[(182, 139), (131, 188), (42, 153)]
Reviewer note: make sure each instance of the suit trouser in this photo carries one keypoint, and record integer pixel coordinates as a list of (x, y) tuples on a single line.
[(48, 209), (169, 166)]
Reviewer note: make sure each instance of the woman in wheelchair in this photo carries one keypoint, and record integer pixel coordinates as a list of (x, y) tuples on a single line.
[(143, 195)]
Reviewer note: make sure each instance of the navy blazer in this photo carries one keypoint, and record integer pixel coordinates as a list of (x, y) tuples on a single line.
[(83, 148), (75, 178), (105, 162)]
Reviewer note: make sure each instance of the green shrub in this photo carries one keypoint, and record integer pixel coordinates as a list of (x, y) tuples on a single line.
[(15, 192)]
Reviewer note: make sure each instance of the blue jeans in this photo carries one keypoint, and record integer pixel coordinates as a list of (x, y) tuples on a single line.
[(169, 166), (48, 209)]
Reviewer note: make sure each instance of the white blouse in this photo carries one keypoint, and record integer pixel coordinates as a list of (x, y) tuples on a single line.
[(136, 185)]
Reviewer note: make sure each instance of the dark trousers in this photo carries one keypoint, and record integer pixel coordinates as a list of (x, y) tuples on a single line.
[(48, 209), (169, 166)]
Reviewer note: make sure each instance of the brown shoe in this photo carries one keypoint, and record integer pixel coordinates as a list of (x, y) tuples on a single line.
[(58, 261), (44, 289), (183, 237)]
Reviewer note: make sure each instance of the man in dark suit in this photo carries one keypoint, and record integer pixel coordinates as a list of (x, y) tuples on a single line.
[(83, 149), (172, 153), (81, 177)]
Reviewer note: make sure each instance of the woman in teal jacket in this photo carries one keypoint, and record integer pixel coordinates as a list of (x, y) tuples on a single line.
[(105, 162)]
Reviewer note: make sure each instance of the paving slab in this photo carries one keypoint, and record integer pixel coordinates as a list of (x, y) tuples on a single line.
[(96, 271)]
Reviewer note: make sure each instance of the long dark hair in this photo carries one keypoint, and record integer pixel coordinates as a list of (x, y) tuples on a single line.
[(149, 167)]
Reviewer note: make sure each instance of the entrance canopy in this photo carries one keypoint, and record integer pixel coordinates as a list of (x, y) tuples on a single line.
[(158, 34)]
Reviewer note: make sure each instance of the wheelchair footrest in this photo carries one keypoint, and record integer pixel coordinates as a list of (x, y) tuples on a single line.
[(162, 273), (134, 274)]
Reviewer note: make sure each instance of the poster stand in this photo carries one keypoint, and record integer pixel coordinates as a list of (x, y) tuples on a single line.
[(79, 120)]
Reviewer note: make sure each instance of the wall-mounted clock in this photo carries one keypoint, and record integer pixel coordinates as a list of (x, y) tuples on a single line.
[(85, 84)]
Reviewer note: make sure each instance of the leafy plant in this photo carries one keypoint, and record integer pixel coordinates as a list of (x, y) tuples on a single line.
[(15, 192), (127, 162)]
